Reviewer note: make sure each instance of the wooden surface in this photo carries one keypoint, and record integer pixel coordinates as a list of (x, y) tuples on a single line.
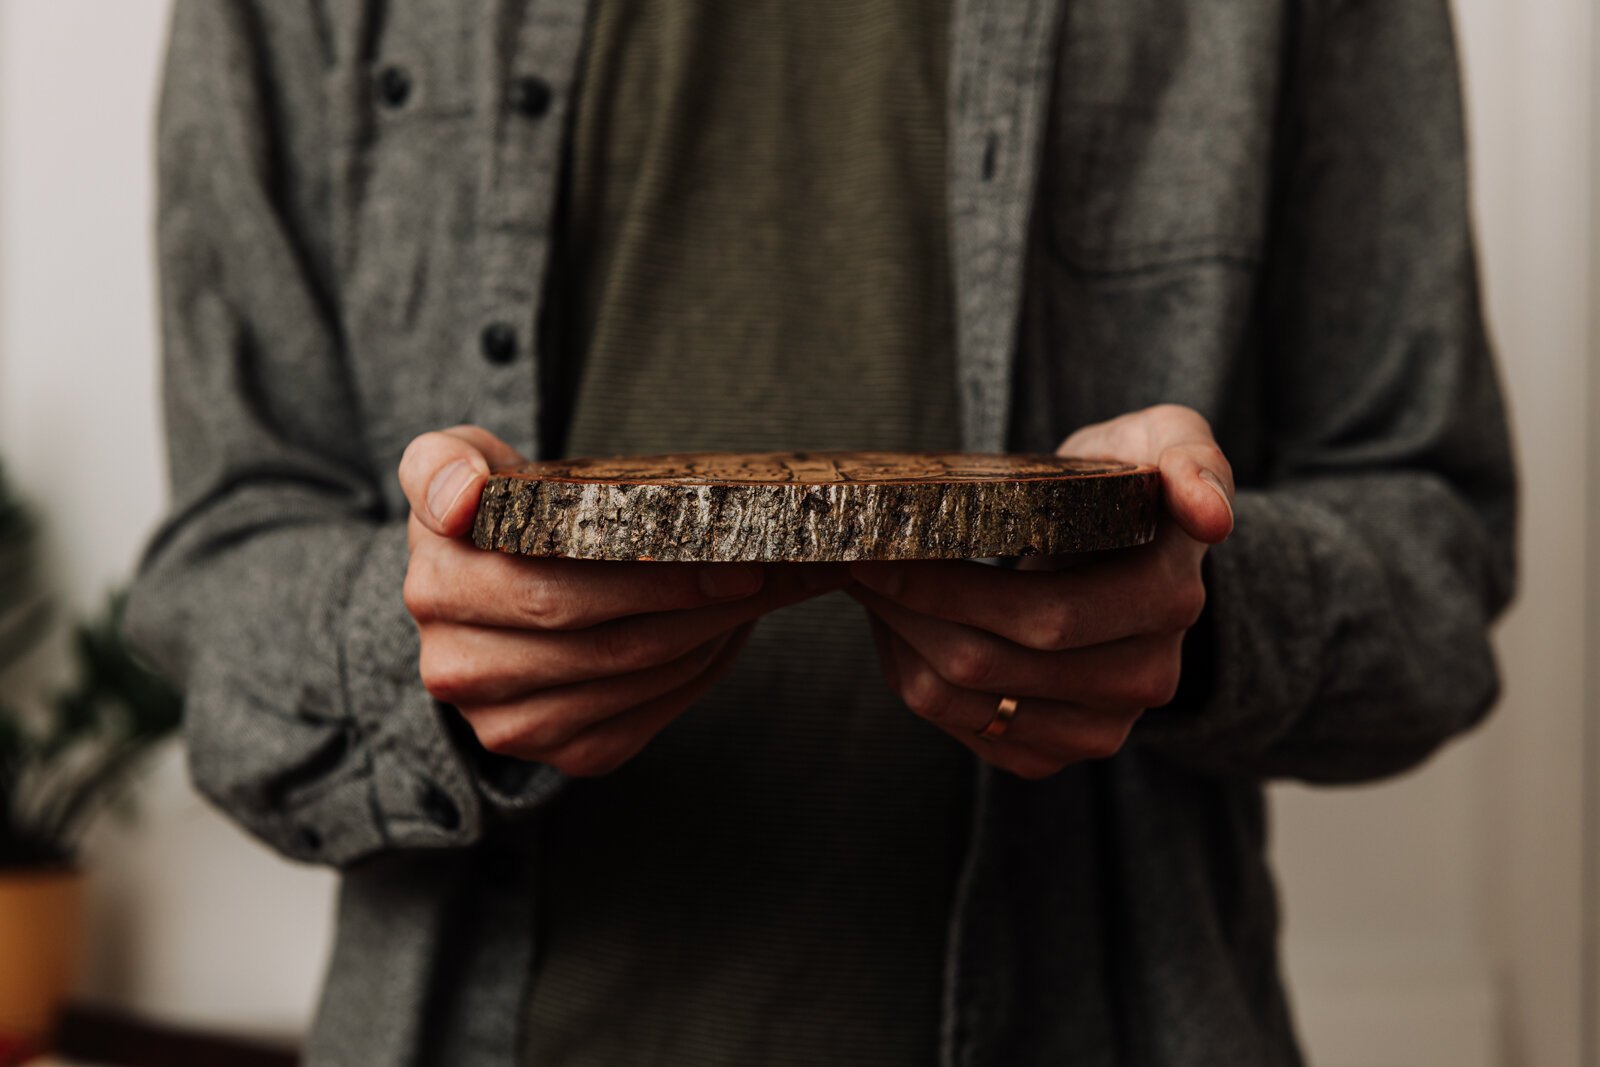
[(816, 507)]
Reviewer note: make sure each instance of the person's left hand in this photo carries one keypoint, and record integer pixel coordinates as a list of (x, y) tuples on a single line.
[(1083, 650)]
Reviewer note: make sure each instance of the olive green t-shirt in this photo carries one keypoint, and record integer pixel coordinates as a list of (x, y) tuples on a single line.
[(753, 256)]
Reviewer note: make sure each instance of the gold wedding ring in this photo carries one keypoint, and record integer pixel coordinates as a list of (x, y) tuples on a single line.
[(1001, 722)]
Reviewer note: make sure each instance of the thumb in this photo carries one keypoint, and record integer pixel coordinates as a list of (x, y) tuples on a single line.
[(1197, 485), (443, 473), (1196, 479)]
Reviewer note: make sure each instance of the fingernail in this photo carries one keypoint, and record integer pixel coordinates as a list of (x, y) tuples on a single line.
[(888, 580), (446, 487), (723, 581), (1216, 483)]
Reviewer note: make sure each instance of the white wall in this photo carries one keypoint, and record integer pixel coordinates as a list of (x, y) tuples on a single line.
[(190, 919), (1591, 833), (1431, 921), (1538, 154)]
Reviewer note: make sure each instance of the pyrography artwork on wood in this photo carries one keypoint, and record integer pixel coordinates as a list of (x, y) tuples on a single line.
[(816, 507)]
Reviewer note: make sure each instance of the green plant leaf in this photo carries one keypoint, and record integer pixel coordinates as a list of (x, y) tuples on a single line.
[(99, 734)]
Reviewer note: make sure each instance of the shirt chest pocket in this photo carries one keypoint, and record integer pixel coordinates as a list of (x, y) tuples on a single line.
[(1128, 190)]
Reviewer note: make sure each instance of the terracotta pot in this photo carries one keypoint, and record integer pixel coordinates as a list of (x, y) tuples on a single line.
[(41, 933)]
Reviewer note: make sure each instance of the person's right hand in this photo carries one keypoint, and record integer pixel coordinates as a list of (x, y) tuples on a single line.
[(572, 663)]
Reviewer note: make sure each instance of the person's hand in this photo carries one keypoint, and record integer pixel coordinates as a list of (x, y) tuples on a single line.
[(1084, 650), (572, 663)]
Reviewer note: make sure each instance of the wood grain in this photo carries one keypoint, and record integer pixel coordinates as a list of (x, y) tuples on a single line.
[(816, 507)]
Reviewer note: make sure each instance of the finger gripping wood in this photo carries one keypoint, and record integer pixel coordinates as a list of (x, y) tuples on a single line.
[(816, 506)]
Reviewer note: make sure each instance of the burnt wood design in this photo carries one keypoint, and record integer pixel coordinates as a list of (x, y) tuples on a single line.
[(816, 507)]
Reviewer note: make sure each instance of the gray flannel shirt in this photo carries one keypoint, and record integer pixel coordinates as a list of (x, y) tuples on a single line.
[(1253, 207)]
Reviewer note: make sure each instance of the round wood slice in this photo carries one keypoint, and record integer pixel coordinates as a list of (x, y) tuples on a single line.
[(816, 506)]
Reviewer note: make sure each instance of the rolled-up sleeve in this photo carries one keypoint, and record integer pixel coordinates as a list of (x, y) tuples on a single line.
[(1348, 630), (272, 593)]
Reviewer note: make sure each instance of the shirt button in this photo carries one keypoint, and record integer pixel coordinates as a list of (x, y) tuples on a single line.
[(499, 343), (394, 87), (440, 809), (531, 96)]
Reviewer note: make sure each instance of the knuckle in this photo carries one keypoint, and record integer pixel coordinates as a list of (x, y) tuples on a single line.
[(409, 458), (1154, 685), (1208, 453), (1098, 746), (1056, 629), (502, 738), (546, 603), (925, 695), (424, 590), (1106, 740), (621, 648), (1033, 766), (1181, 413), (417, 593), (1193, 599), (1166, 682), (588, 758), (972, 664), (1186, 601), (542, 731), (445, 675), (415, 457)]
